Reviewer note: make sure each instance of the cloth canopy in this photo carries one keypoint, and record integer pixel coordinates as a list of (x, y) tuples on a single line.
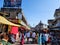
[(22, 23), (5, 21)]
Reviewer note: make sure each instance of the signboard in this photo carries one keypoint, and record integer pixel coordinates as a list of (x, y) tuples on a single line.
[(12, 3)]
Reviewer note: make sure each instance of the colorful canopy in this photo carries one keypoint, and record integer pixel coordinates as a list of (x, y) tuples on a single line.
[(5, 21), (22, 23)]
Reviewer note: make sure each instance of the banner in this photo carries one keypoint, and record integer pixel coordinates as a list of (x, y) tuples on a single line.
[(12, 3)]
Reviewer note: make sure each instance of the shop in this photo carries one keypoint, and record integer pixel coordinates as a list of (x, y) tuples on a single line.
[(6, 25), (55, 36)]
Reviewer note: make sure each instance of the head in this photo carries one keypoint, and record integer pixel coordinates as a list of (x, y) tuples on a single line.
[(30, 32), (5, 36)]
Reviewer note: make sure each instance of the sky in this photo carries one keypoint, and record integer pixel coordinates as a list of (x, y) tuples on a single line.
[(38, 10)]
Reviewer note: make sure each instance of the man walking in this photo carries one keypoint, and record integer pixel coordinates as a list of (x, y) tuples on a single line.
[(47, 37)]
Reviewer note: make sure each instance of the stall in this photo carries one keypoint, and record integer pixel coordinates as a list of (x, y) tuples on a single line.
[(55, 36), (7, 23), (24, 25)]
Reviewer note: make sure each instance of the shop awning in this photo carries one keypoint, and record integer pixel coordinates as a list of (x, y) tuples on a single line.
[(22, 23), (5, 21)]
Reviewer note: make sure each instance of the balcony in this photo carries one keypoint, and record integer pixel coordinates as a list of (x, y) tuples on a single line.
[(57, 17)]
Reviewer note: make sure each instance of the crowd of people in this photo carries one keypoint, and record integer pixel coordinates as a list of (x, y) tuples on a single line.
[(44, 38), (8, 38), (31, 37), (4, 39), (28, 37)]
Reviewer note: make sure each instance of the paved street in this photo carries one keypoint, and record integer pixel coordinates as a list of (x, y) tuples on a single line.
[(25, 44), (33, 44), (28, 44)]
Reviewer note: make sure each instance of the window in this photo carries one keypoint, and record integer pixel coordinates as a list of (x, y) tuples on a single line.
[(58, 14)]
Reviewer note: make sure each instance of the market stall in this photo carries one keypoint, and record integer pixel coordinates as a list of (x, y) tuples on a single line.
[(7, 24)]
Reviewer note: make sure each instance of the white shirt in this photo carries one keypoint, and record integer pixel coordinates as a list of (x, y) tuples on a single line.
[(34, 34), (47, 36), (28, 34)]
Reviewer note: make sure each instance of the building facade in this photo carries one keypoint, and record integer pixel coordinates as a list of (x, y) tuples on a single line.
[(55, 23), (14, 12), (54, 27)]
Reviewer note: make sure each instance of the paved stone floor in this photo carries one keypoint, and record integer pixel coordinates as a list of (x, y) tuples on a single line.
[(27, 44), (30, 44)]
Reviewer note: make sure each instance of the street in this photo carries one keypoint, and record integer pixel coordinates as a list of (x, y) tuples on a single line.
[(29, 44), (33, 22), (26, 44)]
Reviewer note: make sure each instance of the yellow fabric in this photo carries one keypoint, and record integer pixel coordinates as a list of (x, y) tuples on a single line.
[(9, 28), (5, 21), (21, 22)]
